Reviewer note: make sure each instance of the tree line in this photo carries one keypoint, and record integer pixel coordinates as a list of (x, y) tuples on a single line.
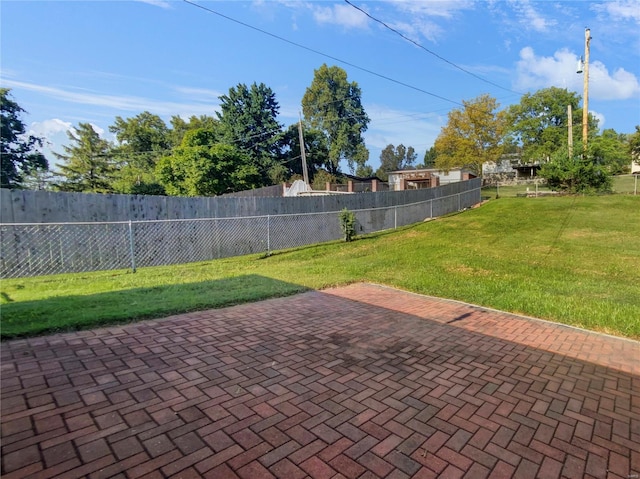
[(536, 130), (243, 146)]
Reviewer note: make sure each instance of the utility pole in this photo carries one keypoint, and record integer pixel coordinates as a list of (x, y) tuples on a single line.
[(305, 173), (585, 101), (570, 124)]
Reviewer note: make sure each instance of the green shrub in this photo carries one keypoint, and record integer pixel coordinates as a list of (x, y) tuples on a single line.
[(348, 224)]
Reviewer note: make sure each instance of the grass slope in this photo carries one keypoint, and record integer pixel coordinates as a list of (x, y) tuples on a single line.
[(571, 259)]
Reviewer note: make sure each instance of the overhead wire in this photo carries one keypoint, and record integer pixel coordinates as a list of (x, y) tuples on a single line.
[(318, 52), (422, 47)]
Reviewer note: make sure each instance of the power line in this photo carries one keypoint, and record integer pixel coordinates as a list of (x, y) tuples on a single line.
[(430, 51), (317, 52)]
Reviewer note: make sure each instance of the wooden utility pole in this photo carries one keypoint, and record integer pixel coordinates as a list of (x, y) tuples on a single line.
[(305, 173), (585, 101), (570, 125)]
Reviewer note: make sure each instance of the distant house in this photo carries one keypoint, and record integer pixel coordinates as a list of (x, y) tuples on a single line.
[(635, 167), (510, 167), (426, 178)]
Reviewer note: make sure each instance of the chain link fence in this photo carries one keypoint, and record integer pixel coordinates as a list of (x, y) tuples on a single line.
[(52, 248)]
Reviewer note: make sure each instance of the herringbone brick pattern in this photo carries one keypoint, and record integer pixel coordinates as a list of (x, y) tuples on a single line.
[(356, 382)]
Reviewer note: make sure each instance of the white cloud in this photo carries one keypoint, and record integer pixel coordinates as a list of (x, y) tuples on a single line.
[(166, 4), (600, 117), (340, 14), (443, 8), (118, 102), (534, 72), (620, 10), (529, 17), (420, 27), (200, 92), (48, 128)]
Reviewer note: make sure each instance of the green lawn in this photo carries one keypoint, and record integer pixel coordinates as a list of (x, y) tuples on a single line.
[(573, 260)]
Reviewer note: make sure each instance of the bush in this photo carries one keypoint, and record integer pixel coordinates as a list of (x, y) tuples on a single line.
[(576, 174), (348, 224)]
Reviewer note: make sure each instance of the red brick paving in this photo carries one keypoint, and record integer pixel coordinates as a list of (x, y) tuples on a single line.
[(355, 382)]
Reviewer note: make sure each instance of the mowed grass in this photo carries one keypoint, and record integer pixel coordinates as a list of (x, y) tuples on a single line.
[(574, 260)]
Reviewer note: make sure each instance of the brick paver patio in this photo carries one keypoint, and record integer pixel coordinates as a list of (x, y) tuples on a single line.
[(355, 382)]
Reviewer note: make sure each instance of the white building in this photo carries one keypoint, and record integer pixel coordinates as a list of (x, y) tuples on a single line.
[(426, 178)]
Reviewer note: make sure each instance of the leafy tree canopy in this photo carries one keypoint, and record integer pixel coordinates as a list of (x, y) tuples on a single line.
[(472, 136), (321, 178), (430, 158), (316, 150), (142, 140), (18, 152), (87, 165), (201, 167), (179, 127), (611, 150), (364, 171), (394, 158), (539, 123), (333, 105), (249, 122)]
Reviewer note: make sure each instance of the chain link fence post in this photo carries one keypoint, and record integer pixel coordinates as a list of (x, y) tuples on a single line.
[(132, 251), (268, 234)]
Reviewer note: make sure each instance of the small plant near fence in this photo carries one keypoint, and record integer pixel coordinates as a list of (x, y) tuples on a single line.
[(348, 224)]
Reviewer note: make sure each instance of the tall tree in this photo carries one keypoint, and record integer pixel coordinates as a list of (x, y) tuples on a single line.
[(430, 157), (611, 150), (249, 122), (472, 136), (179, 127), (394, 158), (142, 140), (18, 152), (333, 105), (316, 150), (202, 167), (539, 123), (88, 166)]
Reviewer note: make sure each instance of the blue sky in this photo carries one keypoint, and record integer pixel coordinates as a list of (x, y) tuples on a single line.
[(71, 61)]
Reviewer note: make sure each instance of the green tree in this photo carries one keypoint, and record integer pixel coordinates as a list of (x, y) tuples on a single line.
[(430, 158), (394, 158), (365, 171), (316, 151), (201, 167), (321, 178), (179, 127), (88, 166), (472, 136), (333, 105), (18, 152), (142, 140), (576, 174), (539, 123), (634, 144), (248, 121), (611, 150)]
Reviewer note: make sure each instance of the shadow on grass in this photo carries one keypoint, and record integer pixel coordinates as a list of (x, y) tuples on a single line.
[(76, 312)]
